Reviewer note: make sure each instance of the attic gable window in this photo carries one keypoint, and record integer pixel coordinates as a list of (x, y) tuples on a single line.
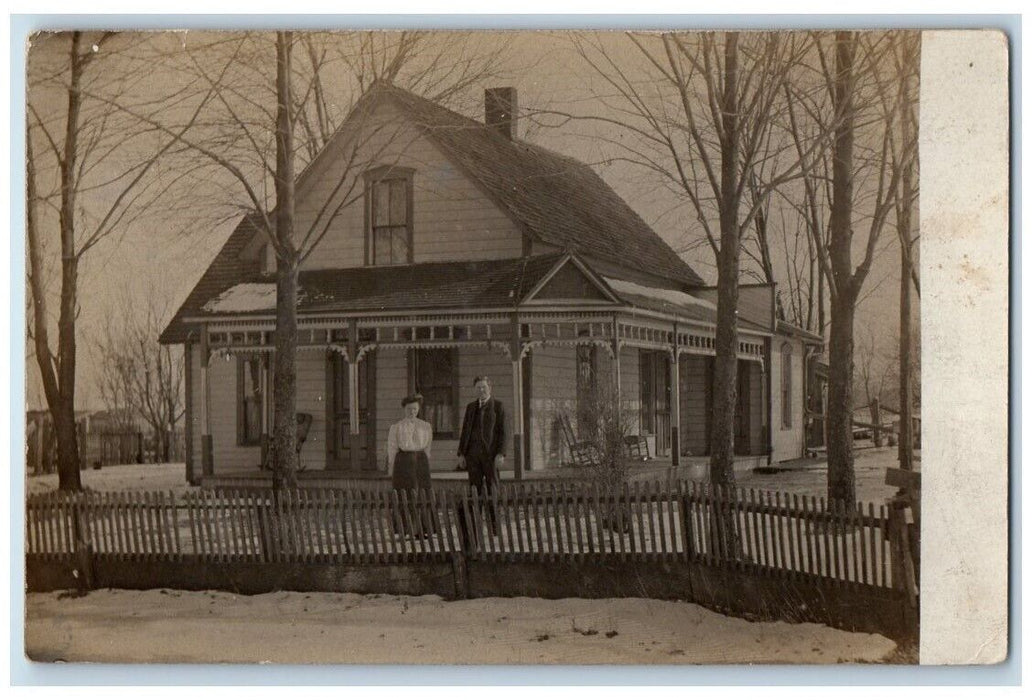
[(389, 216)]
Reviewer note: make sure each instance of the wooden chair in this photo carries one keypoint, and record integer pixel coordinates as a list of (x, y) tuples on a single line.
[(583, 453)]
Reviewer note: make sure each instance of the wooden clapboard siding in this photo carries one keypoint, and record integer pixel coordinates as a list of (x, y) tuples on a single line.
[(757, 438), (222, 403), (391, 388), (193, 414), (311, 398), (222, 416), (553, 390), (630, 385), (694, 407), (788, 443), (452, 219)]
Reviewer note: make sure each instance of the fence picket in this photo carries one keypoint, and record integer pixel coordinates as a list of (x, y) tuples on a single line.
[(865, 543), (774, 501), (636, 514), (671, 525), (129, 518)]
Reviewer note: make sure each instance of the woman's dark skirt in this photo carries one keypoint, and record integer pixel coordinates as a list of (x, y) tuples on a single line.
[(412, 473)]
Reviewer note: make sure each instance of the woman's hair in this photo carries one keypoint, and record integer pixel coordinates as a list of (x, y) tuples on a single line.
[(412, 398)]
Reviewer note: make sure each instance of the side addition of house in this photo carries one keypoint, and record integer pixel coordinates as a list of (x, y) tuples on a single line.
[(468, 252)]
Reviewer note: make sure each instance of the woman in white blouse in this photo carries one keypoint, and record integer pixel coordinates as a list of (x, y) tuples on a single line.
[(408, 448)]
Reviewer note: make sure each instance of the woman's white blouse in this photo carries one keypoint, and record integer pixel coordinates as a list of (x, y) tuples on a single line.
[(410, 435)]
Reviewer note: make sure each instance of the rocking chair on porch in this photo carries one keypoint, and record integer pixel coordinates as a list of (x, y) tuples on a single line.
[(304, 424), (583, 453)]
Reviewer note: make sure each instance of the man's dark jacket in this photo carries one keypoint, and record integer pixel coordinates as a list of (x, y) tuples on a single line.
[(492, 429)]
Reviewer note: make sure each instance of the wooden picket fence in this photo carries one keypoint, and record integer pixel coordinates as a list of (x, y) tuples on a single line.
[(773, 534)]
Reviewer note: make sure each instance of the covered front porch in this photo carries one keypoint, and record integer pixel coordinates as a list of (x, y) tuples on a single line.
[(569, 335)]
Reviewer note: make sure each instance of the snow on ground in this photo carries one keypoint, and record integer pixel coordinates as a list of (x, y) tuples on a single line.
[(122, 477), (869, 464), (290, 627), (811, 480)]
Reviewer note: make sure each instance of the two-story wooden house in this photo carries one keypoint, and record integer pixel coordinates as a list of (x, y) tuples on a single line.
[(469, 252)]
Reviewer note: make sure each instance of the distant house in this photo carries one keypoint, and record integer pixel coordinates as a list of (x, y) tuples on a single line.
[(473, 253)]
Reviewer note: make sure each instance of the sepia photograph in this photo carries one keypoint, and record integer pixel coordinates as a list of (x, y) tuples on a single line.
[(481, 347)]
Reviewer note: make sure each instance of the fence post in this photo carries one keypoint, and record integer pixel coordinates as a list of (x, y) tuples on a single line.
[(83, 547), (460, 570), (904, 574)]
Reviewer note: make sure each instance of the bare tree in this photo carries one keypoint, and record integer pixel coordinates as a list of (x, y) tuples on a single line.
[(867, 93), (702, 108), (100, 166), (139, 378)]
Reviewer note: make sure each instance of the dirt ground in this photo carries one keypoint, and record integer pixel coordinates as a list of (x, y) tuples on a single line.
[(318, 628)]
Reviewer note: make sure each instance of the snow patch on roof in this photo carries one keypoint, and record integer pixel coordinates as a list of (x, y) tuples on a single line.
[(668, 295), (250, 296)]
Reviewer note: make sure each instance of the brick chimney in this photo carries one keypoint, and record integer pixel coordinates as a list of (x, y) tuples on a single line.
[(500, 109)]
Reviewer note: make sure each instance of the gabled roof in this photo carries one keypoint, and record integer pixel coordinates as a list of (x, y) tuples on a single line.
[(554, 198)]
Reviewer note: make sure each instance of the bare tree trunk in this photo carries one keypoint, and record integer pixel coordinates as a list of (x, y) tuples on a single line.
[(284, 434), (68, 479), (61, 390), (906, 387), (725, 372), (841, 480), (905, 223)]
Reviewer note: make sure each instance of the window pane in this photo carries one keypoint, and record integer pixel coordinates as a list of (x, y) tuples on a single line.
[(381, 204), (382, 246), (434, 379), (399, 245), (399, 202)]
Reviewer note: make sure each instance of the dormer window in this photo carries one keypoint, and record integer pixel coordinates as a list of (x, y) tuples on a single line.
[(389, 216)]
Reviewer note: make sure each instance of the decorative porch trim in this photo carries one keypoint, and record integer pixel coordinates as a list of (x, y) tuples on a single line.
[(528, 345)]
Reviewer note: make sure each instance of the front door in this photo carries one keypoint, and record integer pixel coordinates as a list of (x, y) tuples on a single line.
[(654, 376), (347, 450)]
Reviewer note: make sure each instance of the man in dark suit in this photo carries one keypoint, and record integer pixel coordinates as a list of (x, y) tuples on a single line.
[(482, 441)]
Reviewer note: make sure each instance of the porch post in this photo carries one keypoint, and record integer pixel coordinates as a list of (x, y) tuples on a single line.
[(207, 457), (263, 377), (616, 362), (515, 351), (675, 407), (768, 399), (353, 418)]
